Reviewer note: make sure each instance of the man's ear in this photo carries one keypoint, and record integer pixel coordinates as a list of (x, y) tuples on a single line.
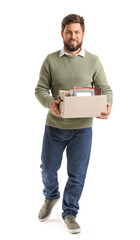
[(62, 34), (83, 33)]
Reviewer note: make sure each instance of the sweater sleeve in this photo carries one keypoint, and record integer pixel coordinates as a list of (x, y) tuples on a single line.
[(42, 90), (100, 81)]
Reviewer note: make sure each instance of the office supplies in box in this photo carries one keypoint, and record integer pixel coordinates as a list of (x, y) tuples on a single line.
[(74, 106)]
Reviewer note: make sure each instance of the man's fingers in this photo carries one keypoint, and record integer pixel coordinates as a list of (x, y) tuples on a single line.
[(108, 111), (56, 111), (57, 101), (55, 107), (104, 113), (103, 117)]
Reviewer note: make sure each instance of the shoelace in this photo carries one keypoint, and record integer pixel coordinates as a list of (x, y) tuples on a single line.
[(46, 203), (71, 219)]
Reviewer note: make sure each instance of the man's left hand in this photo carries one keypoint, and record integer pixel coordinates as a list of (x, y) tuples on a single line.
[(105, 115)]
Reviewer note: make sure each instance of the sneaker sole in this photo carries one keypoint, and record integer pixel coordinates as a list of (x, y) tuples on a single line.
[(44, 219), (74, 231)]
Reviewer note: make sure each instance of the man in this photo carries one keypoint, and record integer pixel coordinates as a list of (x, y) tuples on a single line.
[(62, 70)]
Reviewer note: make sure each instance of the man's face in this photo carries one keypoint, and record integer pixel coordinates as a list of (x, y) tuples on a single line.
[(72, 36)]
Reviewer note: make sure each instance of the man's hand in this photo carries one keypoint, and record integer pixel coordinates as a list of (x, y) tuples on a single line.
[(54, 107), (105, 115)]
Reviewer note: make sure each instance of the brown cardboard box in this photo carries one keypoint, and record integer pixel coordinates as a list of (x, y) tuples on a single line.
[(83, 106)]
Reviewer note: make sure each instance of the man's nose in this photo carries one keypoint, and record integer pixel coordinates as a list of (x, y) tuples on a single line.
[(73, 35)]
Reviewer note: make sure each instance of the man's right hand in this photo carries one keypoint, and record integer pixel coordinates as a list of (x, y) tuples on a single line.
[(54, 107)]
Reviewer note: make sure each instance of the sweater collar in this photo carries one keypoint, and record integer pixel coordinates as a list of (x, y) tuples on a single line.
[(64, 52)]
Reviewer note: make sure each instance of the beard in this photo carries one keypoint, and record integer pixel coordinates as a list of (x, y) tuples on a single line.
[(72, 48)]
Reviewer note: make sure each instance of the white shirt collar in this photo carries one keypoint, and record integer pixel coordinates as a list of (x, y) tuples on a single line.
[(64, 52)]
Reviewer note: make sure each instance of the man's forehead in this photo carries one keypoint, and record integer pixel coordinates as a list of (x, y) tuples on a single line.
[(73, 26)]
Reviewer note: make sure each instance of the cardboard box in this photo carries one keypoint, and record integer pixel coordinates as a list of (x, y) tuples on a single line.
[(83, 106)]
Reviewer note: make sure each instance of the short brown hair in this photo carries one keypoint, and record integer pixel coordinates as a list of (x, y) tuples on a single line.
[(73, 18)]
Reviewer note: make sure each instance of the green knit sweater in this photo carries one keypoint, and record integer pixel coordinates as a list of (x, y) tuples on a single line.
[(63, 73)]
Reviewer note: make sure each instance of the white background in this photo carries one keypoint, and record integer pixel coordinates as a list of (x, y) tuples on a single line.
[(109, 206)]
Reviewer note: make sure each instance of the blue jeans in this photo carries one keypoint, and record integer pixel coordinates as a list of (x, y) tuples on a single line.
[(78, 146)]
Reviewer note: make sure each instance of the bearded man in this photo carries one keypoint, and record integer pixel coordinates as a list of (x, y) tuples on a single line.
[(71, 66)]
